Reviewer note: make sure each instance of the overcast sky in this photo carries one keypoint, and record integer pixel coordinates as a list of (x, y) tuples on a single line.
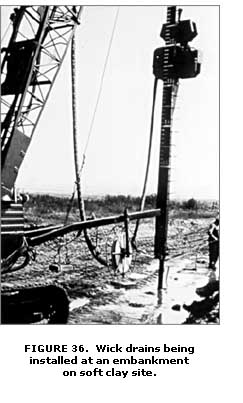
[(116, 156)]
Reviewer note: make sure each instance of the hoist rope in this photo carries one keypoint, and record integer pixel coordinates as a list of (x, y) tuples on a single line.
[(143, 197), (95, 110), (6, 31), (100, 87), (92, 248)]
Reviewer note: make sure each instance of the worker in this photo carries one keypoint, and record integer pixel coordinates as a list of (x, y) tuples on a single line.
[(213, 242)]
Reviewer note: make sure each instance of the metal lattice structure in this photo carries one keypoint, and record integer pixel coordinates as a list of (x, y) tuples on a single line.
[(30, 63)]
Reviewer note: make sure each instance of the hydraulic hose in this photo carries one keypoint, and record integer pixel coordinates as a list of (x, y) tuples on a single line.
[(81, 206), (143, 197)]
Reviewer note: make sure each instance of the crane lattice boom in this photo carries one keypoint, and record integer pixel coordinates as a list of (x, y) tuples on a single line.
[(30, 63)]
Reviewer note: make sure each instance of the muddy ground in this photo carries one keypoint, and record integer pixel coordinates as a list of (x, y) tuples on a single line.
[(99, 295)]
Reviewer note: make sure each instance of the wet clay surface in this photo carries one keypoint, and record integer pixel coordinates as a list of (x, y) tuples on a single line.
[(135, 300), (99, 296)]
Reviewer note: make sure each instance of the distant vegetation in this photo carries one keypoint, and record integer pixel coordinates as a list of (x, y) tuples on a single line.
[(52, 207), (190, 204)]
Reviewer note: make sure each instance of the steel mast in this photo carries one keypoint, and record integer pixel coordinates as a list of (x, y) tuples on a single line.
[(173, 61)]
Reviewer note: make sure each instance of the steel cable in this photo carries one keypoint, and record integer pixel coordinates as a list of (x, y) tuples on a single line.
[(81, 206), (143, 197)]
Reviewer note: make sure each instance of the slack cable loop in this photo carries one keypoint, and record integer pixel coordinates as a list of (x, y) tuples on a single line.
[(96, 107), (82, 214)]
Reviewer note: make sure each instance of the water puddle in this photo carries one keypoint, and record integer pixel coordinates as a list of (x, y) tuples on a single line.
[(78, 303), (137, 301)]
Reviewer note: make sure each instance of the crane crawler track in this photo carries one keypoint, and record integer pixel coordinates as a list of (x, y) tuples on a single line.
[(30, 305)]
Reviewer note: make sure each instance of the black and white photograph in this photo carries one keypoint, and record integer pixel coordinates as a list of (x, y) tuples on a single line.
[(110, 164)]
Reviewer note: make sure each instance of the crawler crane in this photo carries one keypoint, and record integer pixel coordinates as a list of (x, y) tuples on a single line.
[(30, 64)]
